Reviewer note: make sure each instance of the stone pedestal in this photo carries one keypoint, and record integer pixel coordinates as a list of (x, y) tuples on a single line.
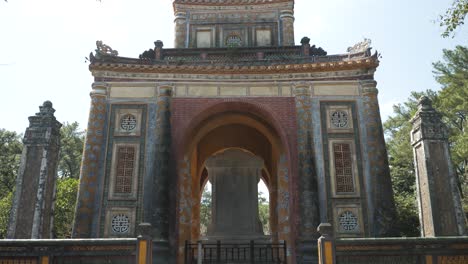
[(32, 210), (440, 209), (234, 175)]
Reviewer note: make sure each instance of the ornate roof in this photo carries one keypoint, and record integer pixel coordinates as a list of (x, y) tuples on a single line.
[(230, 2), (236, 61)]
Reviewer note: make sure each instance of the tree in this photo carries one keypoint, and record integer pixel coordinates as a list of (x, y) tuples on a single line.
[(454, 17), (5, 208), (452, 74), (10, 154), (71, 150), (264, 213), (205, 211), (66, 190)]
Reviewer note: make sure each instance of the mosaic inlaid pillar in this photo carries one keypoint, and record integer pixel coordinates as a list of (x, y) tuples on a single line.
[(160, 197), (381, 190), (307, 179), (32, 210), (287, 27), (439, 203), (180, 30), (93, 153)]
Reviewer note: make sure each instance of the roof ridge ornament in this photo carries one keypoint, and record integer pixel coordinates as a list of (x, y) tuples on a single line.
[(362, 46), (103, 49)]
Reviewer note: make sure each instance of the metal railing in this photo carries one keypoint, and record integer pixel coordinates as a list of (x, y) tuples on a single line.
[(218, 252)]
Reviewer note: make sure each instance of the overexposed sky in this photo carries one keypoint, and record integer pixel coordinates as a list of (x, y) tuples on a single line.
[(44, 44)]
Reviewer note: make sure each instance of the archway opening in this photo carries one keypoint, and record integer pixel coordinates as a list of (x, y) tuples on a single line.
[(233, 130)]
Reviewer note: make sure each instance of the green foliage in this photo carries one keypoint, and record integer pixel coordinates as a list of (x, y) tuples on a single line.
[(264, 213), (5, 207), (10, 155), (71, 150), (452, 74), (454, 17), (205, 211), (66, 192)]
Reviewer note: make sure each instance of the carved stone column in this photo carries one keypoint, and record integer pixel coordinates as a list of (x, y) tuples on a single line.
[(381, 189), (440, 209), (180, 22), (287, 27), (160, 187), (33, 202), (87, 202), (307, 178)]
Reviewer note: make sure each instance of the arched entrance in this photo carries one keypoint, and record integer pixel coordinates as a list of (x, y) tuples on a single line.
[(232, 129)]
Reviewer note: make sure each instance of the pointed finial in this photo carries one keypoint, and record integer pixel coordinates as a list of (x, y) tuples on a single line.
[(425, 103), (46, 109)]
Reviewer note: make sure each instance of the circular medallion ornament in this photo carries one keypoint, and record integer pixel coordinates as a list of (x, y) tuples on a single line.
[(128, 122), (339, 119), (348, 221), (120, 224)]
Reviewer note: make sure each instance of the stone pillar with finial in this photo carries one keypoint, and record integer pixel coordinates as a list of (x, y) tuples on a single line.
[(439, 203), (305, 42), (33, 202), (158, 48)]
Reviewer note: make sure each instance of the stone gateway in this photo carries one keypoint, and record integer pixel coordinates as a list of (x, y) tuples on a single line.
[(234, 102)]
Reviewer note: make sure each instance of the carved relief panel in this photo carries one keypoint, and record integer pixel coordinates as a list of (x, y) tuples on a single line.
[(348, 220), (120, 222), (127, 122), (339, 119)]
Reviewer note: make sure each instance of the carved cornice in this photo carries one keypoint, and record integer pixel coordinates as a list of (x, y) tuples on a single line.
[(238, 69)]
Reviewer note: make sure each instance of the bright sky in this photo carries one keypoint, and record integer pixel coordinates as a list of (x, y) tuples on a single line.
[(44, 44)]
